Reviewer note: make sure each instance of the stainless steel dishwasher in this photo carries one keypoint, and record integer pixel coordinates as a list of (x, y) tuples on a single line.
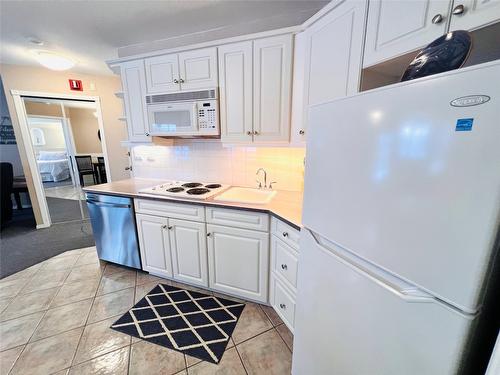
[(113, 224)]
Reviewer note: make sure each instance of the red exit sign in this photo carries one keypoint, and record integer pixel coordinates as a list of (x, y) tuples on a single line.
[(75, 84)]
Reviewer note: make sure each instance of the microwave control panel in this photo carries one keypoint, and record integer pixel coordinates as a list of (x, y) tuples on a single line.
[(208, 118)]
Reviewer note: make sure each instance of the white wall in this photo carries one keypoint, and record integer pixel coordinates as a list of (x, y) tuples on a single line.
[(211, 162)]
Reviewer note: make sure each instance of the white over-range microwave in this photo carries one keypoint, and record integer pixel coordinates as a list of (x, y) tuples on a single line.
[(193, 114)]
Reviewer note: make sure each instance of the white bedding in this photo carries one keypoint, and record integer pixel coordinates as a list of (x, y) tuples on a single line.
[(53, 166)]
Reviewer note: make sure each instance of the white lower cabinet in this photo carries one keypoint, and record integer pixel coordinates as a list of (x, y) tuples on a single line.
[(188, 246), (283, 302), (238, 261), (154, 244)]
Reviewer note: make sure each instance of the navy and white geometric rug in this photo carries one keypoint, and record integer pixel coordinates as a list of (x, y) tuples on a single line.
[(190, 322)]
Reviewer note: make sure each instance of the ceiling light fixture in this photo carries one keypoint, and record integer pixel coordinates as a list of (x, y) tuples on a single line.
[(53, 60)]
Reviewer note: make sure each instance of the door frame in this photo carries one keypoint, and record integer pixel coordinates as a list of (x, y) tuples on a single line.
[(22, 117)]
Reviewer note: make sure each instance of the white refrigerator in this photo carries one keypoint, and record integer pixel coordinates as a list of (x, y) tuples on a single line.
[(401, 211)]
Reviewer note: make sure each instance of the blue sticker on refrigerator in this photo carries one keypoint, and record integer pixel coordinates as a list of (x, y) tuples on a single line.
[(464, 125)]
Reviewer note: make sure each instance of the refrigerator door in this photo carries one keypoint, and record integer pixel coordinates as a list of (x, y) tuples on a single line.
[(350, 320), (410, 182)]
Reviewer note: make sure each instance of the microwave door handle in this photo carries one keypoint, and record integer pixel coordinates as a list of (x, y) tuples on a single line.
[(194, 117)]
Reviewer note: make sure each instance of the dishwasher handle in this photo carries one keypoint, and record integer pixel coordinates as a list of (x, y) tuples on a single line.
[(104, 204)]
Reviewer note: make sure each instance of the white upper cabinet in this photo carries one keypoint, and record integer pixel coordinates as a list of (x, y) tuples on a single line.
[(397, 27), (327, 61), (474, 14), (191, 70), (272, 73), (162, 73), (198, 69), (188, 245), (235, 88), (134, 91)]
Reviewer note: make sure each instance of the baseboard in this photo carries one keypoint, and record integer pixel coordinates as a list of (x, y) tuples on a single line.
[(41, 226)]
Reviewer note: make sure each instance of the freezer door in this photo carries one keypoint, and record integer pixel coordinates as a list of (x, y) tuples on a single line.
[(410, 182), (351, 321)]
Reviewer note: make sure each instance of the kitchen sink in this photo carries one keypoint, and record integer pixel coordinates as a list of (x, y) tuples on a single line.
[(246, 195)]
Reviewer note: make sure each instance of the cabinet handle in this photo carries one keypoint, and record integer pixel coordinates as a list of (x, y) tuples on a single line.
[(146, 134), (285, 234), (459, 9), (164, 226), (284, 267), (181, 80), (438, 18), (302, 132), (176, 81), (249, 132), (282, 306), (208, 234), (128, 168), (170, 227), (256, 132)]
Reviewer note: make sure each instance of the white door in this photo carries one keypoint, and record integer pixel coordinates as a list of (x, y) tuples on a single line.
[(198, 69), (272, 69), (154, 244), (397, 27), (238, 261), (350, 321), (235, 88), (188, 244), (134, 91), (332, 70), (474, 14), (162, 73)]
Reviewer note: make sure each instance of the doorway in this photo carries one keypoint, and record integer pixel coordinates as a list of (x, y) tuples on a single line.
[(65, 146)]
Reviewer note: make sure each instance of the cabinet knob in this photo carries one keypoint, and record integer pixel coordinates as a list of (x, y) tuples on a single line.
[(282, 306), (209, 234), (459, 9), (284, 267), (249, 132), (176, 81), (302, 132), (438, 18), (285, 234), (146, 134), (181, 80)]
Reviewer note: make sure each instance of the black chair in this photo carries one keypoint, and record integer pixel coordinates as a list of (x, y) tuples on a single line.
[(101, 167), (6, 183), (85, 167)]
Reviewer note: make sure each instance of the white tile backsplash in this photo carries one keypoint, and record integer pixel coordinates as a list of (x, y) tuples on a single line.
[(211, 162)]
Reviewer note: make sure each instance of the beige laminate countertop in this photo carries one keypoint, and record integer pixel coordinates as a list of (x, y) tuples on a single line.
[(286, 205)]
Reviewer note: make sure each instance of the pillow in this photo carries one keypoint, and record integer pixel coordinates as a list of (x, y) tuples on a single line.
[(52, 155)]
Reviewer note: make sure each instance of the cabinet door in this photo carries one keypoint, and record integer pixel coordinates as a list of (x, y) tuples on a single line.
[(134, 91), (162, 73), (198, 69), (333, 49), (188, 244), (272, 68), (235, 87), (238, 261), (154, 244), (475, 14), (397, 27)]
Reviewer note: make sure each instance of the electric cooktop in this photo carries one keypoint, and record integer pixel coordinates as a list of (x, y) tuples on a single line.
[(186, 190)]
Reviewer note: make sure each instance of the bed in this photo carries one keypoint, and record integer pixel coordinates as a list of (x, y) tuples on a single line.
[(53, 166)]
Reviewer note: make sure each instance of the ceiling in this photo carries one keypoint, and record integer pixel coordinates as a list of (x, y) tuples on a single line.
[(94, 31)]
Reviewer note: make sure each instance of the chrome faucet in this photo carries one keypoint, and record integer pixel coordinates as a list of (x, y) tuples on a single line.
[(265, 178)]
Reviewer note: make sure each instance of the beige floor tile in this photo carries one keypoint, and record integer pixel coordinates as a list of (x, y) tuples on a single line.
[(252, 321), (231, 298), (8, 358), (272, 315), (74, 292), (188, 287), (114, 363), (26, 273), (113, 268), (266, 354), (142, 290), (62, 372), (98, 339), (48, 355), (57, 264), (111, 304), (4, 302), (45, 280), (116, 281), (87, 257), (146, 278), (286, 335), (230, 364), (18, 331), (10, 288), (64, 318), (148, 358), (29, 303), (84, 273)]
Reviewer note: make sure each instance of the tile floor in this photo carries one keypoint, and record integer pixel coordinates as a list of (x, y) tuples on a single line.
[(55, 318)]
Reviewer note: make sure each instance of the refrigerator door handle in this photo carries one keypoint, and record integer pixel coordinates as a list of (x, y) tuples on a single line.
[(399, 287)]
